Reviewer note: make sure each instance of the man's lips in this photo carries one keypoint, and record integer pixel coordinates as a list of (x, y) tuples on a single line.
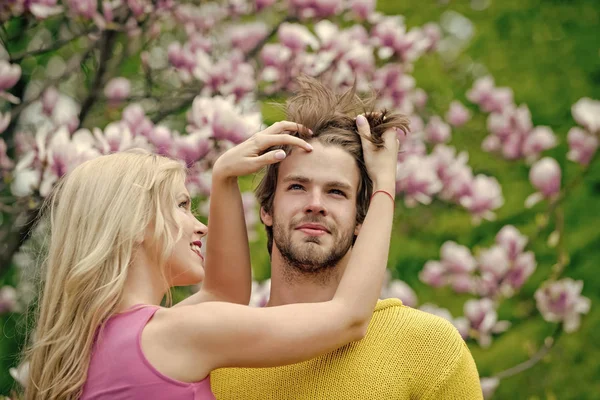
[(313, 229)]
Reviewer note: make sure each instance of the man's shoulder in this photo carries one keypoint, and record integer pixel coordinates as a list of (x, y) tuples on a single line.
[(409, 323)]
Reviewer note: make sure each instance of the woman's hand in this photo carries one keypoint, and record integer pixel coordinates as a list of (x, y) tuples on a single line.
[(249, 157), (381, 162)]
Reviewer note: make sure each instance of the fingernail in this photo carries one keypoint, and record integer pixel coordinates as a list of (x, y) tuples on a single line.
[(280, 155), (311, 132), (309, 146), (361, 120)]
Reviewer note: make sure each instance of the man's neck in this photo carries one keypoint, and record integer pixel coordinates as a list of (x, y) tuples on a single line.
[(289, 286)]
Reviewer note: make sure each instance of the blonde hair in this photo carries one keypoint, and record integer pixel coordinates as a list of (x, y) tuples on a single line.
[(99, 213)]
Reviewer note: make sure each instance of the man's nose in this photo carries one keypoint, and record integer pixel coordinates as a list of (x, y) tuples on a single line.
[(315, 204)]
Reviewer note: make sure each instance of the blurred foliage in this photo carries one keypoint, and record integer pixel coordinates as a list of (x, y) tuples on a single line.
[(548, 52)]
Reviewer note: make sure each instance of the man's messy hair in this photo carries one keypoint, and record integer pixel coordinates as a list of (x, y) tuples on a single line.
[(332, 119)]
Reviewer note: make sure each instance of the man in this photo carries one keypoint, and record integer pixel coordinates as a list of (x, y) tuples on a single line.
[(312, 205)]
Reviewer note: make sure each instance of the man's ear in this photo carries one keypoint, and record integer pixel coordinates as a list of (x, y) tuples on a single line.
[(357, 229), (265, 217)]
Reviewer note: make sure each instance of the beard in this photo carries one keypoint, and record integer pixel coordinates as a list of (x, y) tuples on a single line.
[(307, 255)]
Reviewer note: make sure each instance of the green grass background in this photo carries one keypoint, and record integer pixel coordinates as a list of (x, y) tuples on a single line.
[(548, 52)]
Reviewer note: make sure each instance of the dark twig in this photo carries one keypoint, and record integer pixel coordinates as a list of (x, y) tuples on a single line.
[(106, 45), (55, 46), (541, 353)]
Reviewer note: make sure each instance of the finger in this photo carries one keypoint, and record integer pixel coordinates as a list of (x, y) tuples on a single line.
[(271, 157), (363, 126), (265, 141), (282, 126)]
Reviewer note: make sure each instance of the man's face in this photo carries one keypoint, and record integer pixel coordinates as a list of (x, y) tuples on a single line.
[(314, 209)]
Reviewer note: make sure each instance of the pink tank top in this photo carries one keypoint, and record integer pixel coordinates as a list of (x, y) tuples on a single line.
[(119, 369)]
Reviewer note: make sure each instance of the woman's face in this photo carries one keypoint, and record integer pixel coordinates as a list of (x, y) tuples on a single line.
[(185, 266)]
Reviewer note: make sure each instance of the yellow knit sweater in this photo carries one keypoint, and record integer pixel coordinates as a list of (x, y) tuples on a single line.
[(407, 354)]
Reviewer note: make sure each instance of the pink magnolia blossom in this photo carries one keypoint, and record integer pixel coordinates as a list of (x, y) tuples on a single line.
[(437, 131), (541, 138), (260, 293), (417, 180), (394, 88), (6, 164), (8, 299), (9, 76), (462, 283), (117, 89), (582, 146), (296, 37), (4, 121), (64, 153), (545, 176), (587, 114), (20, 374), (182, 58), (191, 148), (489, 386), (483, 320), (42, 9), (262, 4), (221, 119), (363, 8), (485, 196), (512, 240), (390, 36), (117, 137), (420, 98), (83, 8), (162, 139), (248, 36), (561, 301), (494, 261), (433, 274), (523, 266), (488, 97), (457, 258), (433, 32), (399, 289), (135, 119), (457, 114), (198, 181), (315, 8), (50, 98)]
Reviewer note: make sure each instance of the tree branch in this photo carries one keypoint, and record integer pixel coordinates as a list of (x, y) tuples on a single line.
[(541, 353), (15, 242), (106, 46), (55, 46)]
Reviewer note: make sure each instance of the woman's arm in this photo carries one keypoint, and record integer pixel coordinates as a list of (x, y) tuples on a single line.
[(228, 273), (215, 335)]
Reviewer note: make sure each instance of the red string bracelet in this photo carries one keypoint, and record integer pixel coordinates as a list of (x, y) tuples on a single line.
[(383, 191)]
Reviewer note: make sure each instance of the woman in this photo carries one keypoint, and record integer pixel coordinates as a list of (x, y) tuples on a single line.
[(122, 234)]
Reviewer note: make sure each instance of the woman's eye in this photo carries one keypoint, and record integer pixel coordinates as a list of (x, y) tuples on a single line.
[(183, 204)]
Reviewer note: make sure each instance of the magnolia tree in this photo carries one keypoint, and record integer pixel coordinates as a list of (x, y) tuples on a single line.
[(82, 78)]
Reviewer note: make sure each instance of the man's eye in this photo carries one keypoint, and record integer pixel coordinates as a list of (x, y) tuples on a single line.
[(295, 186), (337, 192), (183, 204)]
